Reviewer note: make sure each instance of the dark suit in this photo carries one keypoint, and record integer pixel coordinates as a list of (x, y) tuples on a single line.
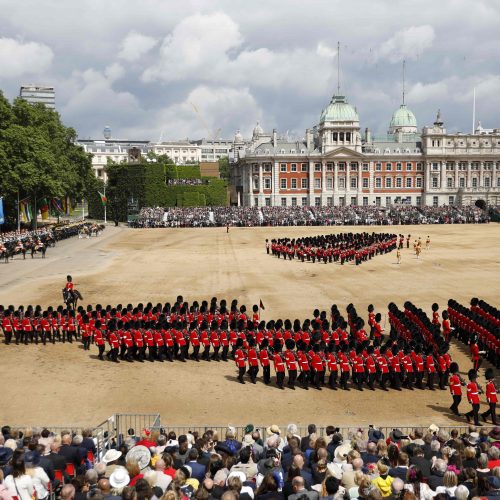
[(435, 480), (399, 472), (368, 458), (88, 444), (423, 464), (71, 454), (197, 470), (48, 466), (304, 443), (58, 461), (308, 480)]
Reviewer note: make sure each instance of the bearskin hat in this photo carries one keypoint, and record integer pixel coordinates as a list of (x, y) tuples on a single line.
[(264, 344), (489, 373), (290, 344), (472, 374), (277, 345), (239, 342)]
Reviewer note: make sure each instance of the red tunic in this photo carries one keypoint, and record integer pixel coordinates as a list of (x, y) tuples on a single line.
[(279, 365), (455, 385), (472, 393), (291, 362), (491, 392), (264, 357)]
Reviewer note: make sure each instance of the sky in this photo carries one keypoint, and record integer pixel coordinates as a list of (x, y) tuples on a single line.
[(176, 69)]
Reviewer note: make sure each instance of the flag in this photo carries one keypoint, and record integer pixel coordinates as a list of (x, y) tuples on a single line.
[(2, 218), (44, 209), (56, 203), (261, 305), (25, 211), (104, 200)]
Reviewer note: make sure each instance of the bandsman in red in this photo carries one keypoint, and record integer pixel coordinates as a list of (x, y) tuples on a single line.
[(371, 368), (455, 384), (240, 360), (344, 368), (265, 361), (194, 338), (127, 343), (291, 362), (491, 397), (7, 328), (253, 359), (331, 362), (279, 364), (99, 340)]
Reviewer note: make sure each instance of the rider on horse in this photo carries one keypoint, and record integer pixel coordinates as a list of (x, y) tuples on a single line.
[(19, 246), (70, 294), (38, 244)]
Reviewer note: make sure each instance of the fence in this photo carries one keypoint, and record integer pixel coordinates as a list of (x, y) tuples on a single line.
[(114, 430)]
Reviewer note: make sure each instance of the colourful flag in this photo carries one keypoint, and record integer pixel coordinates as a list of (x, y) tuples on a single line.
[(261, 305), (2, 218), (44, 209), (104, 200), (56, 203), (25, 211)]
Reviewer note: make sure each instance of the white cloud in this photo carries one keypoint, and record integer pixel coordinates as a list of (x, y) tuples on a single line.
[(18, 58), (135, 45), (422, 92), (324, 50), (408, 43)]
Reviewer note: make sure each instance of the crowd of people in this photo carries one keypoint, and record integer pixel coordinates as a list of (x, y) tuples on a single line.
[(271, 463), (25, 241), (343, 247), (307, 216)]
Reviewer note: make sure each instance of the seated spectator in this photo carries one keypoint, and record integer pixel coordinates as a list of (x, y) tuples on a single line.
[(384, 481), (401, 469), (415, 484), (268, 489), (450, 483)]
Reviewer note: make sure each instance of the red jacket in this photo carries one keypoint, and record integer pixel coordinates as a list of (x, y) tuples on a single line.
[(491, 392), (472, 393), (455, 385)]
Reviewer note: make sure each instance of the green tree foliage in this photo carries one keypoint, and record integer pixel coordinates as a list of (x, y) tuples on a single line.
[(38, 156), (224, 170)]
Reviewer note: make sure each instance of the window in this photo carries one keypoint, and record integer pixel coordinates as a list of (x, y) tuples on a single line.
[(388, 182), (256, 183), (267, 167), (409, 166), (419, 166), (294, 202), (317, 167), (304, 202), (317, 201), (461, 182), (335, 137), (418, 201), (283, 183), (268, 202), (317, 183), (304, 183), (341, 166), (365, 183), (451, 200), (435, 166), (329, 167), (283, 202), (348, 136), (387, 201), (378, 201), (329, 201), (365, 201), (267, 182), (342, 183), (354, 167), (341, 136), (303, 167), (354, 182), (378, 166), (294, 167), (353, 200), (408, 182), (399, 167), (283, 167), (399, 182), (378, 182), (449, 182), (388, 166), (498, 181), (294, 183), (418, 182), (474, 182), (366, 167), (434, 182), (435, 201), (329, 183), (486, 182)]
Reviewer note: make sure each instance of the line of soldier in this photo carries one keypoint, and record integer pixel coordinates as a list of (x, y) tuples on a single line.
[(343, 247), (478, 327)]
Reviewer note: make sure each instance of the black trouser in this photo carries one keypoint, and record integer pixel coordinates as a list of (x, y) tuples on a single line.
[(420, 378), (442, 380), (280, 379), (430, 381), (225, 351), (358, 378), (101, 351), (410, 378), (86, 343), (396, 380), (492, 411), (8, 336), (206, 353), (123, 349), (267, 374), (344, 377), (241, 372), (384, 378), (196, 353), (152, 353), (332, 380), (456, 402), (474, 413), (215, 355), (19, 336), (114, 354), (292, 377), (371, 380), (253, 371)]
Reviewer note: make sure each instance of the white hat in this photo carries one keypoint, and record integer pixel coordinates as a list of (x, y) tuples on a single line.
[(237, 473), (342, 451), (140, 454), (111, 456), (433, 428), (119, 478), (335, 470), (172, 442)]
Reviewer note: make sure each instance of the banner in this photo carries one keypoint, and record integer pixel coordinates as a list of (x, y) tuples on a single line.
[(2, 218), (44, 209), (104, 200), (57, 205), (25, 211)]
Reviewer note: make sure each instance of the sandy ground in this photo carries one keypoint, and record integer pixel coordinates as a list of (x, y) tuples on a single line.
[(62, 384)]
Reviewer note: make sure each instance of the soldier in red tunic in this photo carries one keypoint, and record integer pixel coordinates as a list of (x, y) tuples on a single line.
[(291, 362), (253, 359), (491, 397), (99, 339), (279, 364), (473, 398), (240, 360), (455, 384), (264, 361)]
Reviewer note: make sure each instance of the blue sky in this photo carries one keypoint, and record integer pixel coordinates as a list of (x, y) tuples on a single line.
[(189, 68)]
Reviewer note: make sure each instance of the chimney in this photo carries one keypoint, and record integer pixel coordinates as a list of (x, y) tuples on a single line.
[(399, 135), (368, 135), (275, 137), (309, 139)]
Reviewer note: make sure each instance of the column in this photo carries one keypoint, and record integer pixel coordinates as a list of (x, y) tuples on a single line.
[(323, 183), (275, 183), (250, 186), (360, 183), (493, 182), (427, 175), (481, 174), (347, 178), (336, 177), (469, 175), (443, 176), (261, 180), (371, 182), (311, 182), (457, 166)]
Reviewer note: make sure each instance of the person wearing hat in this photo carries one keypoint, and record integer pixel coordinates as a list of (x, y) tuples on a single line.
[(491, 397), (279, 364), (119, 478), (455, 388), (264, 361), (110, 459), (473, 398), (291, 363), (39, 476), (240, 359), (253, 359)]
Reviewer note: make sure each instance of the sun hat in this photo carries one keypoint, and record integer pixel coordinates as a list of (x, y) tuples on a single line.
[(342, 451), (111, 456), (119, 478), (140, 454), (273, 429), (249, 428)]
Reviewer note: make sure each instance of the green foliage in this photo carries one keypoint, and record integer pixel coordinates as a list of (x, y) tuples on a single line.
[(224, 170), (38, 156), (183, 172)]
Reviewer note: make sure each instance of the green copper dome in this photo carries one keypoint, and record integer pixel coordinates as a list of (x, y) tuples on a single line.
[(339, 110), (403, 117)]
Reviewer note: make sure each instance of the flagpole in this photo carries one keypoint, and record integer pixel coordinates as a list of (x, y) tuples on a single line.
[(18, 214), (105, 220)]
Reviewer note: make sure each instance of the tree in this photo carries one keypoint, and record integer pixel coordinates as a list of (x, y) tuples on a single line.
[(38, 156), (224, 169)]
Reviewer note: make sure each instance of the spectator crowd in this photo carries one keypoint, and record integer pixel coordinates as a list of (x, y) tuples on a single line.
[(307, 216), (272, 463)]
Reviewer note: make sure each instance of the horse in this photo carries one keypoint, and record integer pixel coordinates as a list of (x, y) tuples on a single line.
[(4, 254), (71, 297), (17, 250), (35, 249)]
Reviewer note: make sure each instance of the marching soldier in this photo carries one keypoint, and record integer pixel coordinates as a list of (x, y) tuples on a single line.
[(99, 340), (291, 363), (264, 361), (491, 397), (455, 384), (305, 369), (253, 360), (279, 364), (331, 361), (240, 360), (473, 398)]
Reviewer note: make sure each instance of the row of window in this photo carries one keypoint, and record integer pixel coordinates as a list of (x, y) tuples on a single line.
[(450, 182), (342, 201), (342, 167)]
